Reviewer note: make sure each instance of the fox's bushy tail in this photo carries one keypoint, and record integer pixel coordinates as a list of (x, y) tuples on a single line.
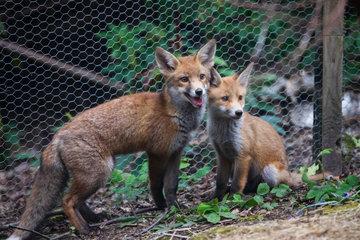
[(295, 179), (49, 182), (273, 176)]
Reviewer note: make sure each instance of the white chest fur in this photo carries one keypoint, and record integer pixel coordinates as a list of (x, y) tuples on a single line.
[(225, 135)]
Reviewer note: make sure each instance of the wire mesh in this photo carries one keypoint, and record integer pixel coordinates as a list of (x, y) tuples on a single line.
[(59, 58)]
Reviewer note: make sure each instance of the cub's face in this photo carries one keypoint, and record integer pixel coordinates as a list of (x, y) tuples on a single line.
[(188, 78), (227, 95), (228, 99)]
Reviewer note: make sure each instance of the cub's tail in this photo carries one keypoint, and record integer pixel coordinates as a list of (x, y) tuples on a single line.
[(49, 182)]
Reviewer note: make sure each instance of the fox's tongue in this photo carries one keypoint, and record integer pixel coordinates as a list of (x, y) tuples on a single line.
[(197, 101)]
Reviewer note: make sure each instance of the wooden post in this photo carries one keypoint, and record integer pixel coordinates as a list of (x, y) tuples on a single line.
[(332, 83)]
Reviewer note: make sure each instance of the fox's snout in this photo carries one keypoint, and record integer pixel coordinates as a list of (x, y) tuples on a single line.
[(199, 92), (238, 113), (196, 96), (234, 113)]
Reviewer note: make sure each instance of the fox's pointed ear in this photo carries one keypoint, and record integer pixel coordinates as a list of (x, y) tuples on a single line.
[(206, 54), (244, 77), (215, 78), (165, 60)]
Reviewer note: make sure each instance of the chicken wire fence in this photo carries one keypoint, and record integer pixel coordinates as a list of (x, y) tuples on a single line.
[(59, 58)]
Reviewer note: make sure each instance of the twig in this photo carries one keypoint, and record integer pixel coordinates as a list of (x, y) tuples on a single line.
[(61, 235), (320, 204), (292, 59), (175, 235), (29, 230), (115, 220), (56, 212), (267, 6), (162, 216), (60, 66), (145, 210), (262, 36)]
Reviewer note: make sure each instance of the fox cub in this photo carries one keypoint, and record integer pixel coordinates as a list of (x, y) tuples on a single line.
[(248, 148), (158, 123)]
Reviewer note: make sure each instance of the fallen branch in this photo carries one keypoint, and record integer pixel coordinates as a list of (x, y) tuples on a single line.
[(320, 204), (292, 59), (277, 7), (145, 210), (29, 230), (60, 66), (60, 236), (115, 220), (262, 36), (162, 216), (172, 235)]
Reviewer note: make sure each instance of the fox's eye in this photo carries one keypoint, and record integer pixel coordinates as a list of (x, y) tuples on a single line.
[(225, 98), (202, 76), (184, 79), (240, 98)]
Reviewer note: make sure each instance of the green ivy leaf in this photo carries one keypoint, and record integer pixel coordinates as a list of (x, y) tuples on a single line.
[(281, 191), (258, 199), (352, 180), (311, 194), (269, 206), (229, 215), (204, 207), (263, 189), (325, 152), (212, 218)]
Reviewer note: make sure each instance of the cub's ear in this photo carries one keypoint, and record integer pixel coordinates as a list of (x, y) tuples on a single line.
[(215, 78), (206, 54), (244, 77), (165, 61)]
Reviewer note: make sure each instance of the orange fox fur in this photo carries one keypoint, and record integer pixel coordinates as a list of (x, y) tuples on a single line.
[(248, 148), (158, 123)]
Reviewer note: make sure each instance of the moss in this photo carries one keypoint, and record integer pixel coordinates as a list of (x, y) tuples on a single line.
[(213, 232), (341, 208)]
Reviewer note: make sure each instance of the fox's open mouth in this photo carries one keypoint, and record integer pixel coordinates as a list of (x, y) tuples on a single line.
[(195, 101)]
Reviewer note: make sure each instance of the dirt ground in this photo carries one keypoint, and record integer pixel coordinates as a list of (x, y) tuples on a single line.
[(288, 220), (284, 222), (329, 223)]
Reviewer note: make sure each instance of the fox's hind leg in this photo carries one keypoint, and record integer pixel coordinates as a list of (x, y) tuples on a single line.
[(84, 184), (89, 215), (89, 169)]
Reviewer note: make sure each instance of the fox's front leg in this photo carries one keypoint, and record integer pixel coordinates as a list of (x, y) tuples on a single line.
[(222, 177), (171, 179), (241, 173), (157, 167)]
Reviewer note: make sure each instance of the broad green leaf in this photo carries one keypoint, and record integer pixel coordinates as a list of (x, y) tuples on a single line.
[(229, 215), (311, 194), (325, 152), (204, 207), (269, 206), (212, 218), (281, 191), (352, 180), (263, 189), (258, 199)]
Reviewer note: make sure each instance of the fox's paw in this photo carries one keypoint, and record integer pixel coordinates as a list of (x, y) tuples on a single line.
[(84, 229)]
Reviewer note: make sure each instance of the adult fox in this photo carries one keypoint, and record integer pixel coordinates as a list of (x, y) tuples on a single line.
[(158, 123), (248, 148)]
